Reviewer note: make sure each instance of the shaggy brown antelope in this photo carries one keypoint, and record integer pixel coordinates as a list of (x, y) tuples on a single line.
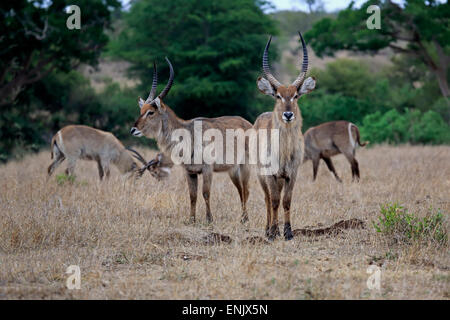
[(329, 139), (75, 142), (287, 119), (157, 120)]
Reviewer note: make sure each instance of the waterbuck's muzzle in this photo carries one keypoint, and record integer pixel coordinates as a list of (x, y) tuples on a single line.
[(135, 132), (288, 116)]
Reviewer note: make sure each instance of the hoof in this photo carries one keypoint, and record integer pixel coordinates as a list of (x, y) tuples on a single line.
[(288, 232), (273, 232), (244, 219), (209, 219)]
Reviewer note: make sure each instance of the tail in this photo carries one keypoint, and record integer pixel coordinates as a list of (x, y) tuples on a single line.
[(358, 137), (52, 145)]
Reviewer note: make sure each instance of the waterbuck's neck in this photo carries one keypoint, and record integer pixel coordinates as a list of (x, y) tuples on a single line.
[(169, 123), (290, 137)]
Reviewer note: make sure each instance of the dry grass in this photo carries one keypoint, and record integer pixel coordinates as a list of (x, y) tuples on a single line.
[(131, 241)]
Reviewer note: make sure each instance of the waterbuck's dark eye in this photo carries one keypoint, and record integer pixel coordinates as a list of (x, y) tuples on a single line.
[(278, 96), (149, 113)]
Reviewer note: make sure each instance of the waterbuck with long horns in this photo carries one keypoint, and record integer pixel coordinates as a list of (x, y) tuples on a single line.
[(76, 142), (329, 139), (287, 119), (157, 120)]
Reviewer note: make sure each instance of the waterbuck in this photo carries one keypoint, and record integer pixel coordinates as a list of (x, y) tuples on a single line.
[(287, 119), (76, 142), (158, 121), (329, 139)]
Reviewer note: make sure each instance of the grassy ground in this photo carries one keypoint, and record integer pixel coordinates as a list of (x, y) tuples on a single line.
[(131, 240)]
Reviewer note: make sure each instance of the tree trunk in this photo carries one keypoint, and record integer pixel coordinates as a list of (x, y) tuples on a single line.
[(443, 84)]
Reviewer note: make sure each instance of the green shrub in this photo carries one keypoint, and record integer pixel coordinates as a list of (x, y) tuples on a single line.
[(411, 126), (402, 227)]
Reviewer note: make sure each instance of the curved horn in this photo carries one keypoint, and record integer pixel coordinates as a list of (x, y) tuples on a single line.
[(266, 68), (301, 77), (154, 84), (169, 83), (137, 155)]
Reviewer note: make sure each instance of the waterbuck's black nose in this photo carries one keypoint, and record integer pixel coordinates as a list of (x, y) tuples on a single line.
[(133, 130), (288, 115)]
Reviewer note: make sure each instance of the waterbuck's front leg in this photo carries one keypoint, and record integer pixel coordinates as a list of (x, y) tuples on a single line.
[(289, 186), (207, 180), (192, 180), (268, 202), (275, 186)]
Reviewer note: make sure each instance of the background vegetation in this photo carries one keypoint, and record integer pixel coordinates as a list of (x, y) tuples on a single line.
[(216, 48)]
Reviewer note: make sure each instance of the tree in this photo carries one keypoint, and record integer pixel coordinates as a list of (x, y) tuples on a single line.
[(35, 40), (215, 46), (418, 28), (313, 3)]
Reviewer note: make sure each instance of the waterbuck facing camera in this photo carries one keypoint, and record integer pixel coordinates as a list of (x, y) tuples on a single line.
[(286, 118)]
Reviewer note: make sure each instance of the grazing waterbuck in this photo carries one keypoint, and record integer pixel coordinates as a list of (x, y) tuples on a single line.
[(76, 142), (157, 120), (287, 119), (329, 139), (159, 167)]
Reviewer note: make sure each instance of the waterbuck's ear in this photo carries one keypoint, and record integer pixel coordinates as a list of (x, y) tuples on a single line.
[(307, 86), (158, 104), (141, 102), (265, 87)]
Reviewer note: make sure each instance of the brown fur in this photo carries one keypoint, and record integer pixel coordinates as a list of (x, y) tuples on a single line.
[(160, 124), (329, 139), (75, 142)]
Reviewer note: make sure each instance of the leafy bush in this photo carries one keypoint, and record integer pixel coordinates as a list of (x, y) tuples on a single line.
[(400, 226), (411, 126)]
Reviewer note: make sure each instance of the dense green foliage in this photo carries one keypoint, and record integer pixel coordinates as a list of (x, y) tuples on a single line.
[(385, 108), (38, 52), (215, 47), (423, 25)]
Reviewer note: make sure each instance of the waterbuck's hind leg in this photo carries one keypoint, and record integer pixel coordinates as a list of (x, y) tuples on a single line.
[(354, 165), (207, 180), (101, 173), (315, 162), (236, 176), (245, 177), (71, 166), (330, 166), (356, 169), (192, 180), (55, 164)]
